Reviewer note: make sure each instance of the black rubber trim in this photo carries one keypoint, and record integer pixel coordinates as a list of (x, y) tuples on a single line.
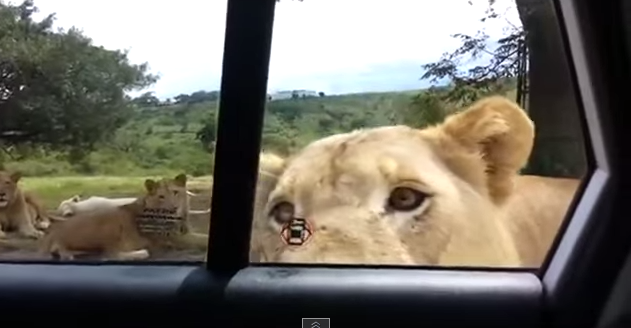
[(271, 296), (582, 271)]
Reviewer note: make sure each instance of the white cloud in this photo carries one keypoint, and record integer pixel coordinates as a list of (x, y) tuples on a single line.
[(328, 45)]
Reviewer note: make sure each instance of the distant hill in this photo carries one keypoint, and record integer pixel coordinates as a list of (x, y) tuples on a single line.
[(288, 94), (162, 139), (174, 136)]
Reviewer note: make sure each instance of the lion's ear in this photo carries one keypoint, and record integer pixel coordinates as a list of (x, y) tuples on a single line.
[(271, 164), (151, 186), (501, 133), (180, 180)]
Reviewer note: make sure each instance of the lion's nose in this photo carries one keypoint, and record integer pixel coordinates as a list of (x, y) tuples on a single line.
[(2, 193)]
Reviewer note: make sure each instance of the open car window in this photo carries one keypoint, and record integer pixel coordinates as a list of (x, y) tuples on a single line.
[(434, 223), (90, 113), (464, 148)]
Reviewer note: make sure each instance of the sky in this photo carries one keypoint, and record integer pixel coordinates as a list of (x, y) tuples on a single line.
[(333, 46)]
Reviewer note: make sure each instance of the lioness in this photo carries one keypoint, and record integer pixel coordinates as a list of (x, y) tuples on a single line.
[(113, 232), (442, 195), (19, 211)]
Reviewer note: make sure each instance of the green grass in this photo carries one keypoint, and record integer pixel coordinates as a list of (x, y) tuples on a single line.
[(52, 190)]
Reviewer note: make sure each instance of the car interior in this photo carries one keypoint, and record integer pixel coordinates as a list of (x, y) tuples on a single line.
[(585, 281)]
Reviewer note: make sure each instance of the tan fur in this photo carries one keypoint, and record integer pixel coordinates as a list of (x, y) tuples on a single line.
[(113, 232), (19, 211), (182, 199), (466, 167), (535, 212), (270, 167), (41, 219)]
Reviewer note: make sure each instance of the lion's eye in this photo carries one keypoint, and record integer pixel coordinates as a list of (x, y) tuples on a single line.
[(405, 199), (283, 212), (175, 192)]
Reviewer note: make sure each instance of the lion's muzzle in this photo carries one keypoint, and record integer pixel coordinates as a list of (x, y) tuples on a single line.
[(348, 235), (4, 199)]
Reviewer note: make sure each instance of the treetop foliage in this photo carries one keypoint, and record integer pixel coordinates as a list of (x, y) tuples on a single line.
[(57, 88), (496, 62), (60, 95)]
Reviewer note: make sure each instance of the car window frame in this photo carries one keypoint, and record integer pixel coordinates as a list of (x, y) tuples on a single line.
[(230, 290), (592, 250)]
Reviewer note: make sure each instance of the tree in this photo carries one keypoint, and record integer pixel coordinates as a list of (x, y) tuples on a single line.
[(499, 63), (426, 108), (559, 148), (57, 89), (196, 97), (127, 141), (207, 134), (147, 99), (181, 98)]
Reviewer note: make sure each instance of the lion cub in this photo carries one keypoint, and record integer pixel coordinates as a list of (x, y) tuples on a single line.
[(113, 232), (19, 211)]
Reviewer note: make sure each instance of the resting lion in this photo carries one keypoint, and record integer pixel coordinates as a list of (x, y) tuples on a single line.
[(443, 195), (20, 211), (76, 204), (113, 232)]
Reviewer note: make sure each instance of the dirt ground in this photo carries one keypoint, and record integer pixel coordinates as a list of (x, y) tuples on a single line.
[(27, 249)]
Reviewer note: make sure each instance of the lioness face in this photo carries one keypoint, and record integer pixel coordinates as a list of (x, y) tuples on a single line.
[(398, 195), (179, 191), (166, 194), (365, 200), (8, 187)]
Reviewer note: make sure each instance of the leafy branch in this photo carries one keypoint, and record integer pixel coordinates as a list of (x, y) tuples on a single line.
[(500, 63)]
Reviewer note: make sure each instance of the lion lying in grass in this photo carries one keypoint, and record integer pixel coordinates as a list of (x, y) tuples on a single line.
[(115, 233), (76, 204), (444, 195), (20, 211)]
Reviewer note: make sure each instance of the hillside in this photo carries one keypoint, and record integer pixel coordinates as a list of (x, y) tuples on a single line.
[(162, 140)]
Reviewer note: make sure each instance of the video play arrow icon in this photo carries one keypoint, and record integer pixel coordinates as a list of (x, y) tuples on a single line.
[(314, 322)]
